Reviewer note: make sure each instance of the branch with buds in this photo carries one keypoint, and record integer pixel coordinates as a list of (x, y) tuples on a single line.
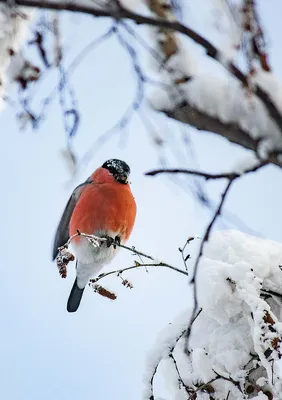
[(65, 256)]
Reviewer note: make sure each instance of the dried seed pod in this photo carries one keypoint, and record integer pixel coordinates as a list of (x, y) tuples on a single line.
[(63, 258), (127, 284), (104, 292)]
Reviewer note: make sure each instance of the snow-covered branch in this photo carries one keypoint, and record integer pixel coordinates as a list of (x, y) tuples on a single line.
[(234, 348), (13, 65), (258, 375), (168, 23), (244, 108), (223, 106)]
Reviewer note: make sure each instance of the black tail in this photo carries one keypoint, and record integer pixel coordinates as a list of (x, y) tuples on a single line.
[(74, 298)]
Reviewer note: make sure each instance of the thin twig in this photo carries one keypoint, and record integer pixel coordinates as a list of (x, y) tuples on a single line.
[(204, 240), (180, 380), (195, 273), (182, 251), (137, 265), (229, 379), (206, 175), (96, 242), (271, 293), (201, 249), (152, 397), (39, 42)]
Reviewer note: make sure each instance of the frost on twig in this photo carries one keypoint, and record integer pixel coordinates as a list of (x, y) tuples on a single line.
[(235, 344)]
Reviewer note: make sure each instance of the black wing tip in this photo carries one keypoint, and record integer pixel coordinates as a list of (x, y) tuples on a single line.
[(74, 298)]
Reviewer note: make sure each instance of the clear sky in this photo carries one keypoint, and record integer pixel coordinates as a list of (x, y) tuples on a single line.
[(99, 352)]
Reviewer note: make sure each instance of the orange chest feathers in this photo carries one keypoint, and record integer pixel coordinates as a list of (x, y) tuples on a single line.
[(108, 206)]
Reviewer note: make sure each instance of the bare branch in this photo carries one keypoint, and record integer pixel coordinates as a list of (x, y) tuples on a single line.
[(180, 380), (256, 47), (39, 42), (182, 251), (195, 273), (188, 114), (206, 175), (137, 265), (96, 242), (152, 397), (201, 249)]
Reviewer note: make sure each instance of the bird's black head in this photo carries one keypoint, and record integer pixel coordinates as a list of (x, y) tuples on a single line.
[(119, 169)]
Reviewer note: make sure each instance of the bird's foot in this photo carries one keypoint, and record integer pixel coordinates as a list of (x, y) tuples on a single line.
[(117, 240), (109, 241), (113, 242)]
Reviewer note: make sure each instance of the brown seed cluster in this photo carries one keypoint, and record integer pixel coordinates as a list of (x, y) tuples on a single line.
[(104, 292), (63, 258)]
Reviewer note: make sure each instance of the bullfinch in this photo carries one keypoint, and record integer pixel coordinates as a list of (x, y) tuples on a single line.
[(102, 206)]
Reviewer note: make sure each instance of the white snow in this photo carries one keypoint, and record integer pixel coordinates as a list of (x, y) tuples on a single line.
[(211, 90), (272, 85), (229, 24), (236, 327), (226, 100), (132, 4), (247, 163), (165, 343), (13, 27)]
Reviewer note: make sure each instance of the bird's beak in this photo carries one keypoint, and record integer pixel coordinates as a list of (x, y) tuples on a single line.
[(122, 178)]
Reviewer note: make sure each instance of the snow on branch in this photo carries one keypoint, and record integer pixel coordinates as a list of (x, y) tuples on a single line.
[(252, 164), (212, 385), (223, 106), (13, 65), (240, 107), (235, 345)]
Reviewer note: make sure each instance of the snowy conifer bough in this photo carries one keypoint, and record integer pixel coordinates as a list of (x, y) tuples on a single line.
[(234, 348)]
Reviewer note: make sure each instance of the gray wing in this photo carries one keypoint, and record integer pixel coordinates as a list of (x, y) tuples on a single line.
[(62, 233)]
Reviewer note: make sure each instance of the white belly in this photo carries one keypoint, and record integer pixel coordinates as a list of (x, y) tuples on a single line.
[(90, 259)]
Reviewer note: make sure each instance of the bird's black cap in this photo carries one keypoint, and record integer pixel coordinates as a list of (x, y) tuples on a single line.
[(118, 168)]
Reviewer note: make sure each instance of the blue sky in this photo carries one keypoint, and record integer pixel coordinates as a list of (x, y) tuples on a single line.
[(99, 352)]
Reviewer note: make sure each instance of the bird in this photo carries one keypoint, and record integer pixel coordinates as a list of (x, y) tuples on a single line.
[(103, 206)]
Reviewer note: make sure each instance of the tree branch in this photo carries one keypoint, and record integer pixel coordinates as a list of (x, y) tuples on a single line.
[(201, 250), (206, 175), (137, 265), (195, 273), (188, 114), (96, 241), (119, 12)]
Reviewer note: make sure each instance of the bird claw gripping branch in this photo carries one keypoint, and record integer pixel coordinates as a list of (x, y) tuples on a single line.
[(113, 242)]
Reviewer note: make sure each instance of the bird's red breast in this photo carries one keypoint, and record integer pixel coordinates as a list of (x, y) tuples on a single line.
[(104, 205)]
